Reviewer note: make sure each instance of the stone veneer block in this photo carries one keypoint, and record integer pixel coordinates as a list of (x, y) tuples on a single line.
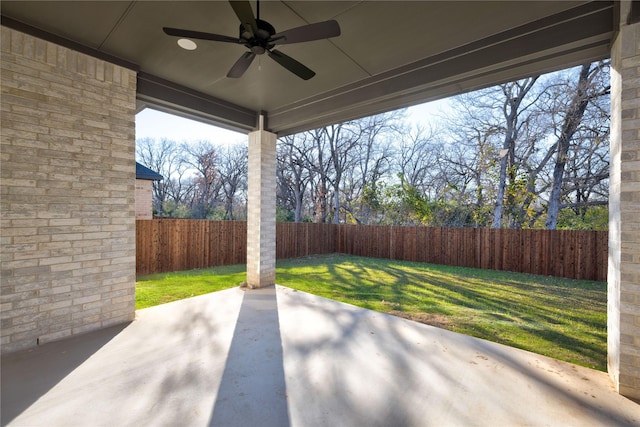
[(68, 192)]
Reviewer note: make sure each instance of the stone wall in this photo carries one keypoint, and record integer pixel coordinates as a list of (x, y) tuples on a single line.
[(144, 199), (67, 202), (624, 214)]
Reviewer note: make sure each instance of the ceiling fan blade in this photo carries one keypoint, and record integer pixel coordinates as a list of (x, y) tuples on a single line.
[(199, 35), (307, 33), (291, 64), (245, 14), (241, 65)]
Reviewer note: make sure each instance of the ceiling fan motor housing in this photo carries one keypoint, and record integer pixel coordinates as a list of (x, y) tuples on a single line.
[(259, 43)]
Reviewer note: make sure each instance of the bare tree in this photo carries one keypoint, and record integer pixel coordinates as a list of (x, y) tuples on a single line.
[(372, 162), (319, 162), (163, 157), (417, 157), (479, 164), (232, 169), (294, 172), (585, 91), (202, 157), (341, 140), (515, 155), (513, 96), (542, 123)]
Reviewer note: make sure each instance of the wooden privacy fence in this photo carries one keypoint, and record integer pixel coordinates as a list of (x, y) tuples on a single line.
[(562, 253), (181, 244), (178, 244)]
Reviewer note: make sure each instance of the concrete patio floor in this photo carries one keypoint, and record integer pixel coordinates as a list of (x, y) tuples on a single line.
[(278, 357)]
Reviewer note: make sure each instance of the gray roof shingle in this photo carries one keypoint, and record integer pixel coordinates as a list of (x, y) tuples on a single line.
[(143, 172)]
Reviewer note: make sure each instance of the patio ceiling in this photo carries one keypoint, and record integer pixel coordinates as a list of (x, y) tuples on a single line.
[(390, 54)]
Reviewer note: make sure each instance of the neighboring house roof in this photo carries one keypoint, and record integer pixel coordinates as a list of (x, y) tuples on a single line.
[(143, 172)]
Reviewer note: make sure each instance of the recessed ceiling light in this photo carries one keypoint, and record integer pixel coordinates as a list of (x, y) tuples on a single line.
[(187, 44)]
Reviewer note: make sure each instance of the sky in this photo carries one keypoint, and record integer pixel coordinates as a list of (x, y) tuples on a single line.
[(157, 125)]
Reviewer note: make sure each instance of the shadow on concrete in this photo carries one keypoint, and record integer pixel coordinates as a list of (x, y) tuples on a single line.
[(287, 358), (349, 366), (344, 370), (551, 380), (252, 391), (22, 385)]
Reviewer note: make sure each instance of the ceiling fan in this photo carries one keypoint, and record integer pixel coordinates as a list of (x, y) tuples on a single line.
[(260, 37)]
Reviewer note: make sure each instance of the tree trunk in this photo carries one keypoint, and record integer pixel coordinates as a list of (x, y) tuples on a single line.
[(298, 209), (510, 110), (569, 127), (497, 210), (336, 205)]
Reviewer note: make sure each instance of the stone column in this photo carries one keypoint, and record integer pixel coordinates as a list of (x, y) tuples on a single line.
[(261, 211), (624, 208), (67, 143)]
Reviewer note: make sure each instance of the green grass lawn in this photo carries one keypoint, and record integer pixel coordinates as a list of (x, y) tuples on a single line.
[(162, 288), (560, 318)]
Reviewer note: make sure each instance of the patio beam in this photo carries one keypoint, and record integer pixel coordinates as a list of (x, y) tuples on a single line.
[(172, 98)]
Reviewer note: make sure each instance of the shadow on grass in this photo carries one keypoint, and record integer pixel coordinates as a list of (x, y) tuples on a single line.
[(556, 312)]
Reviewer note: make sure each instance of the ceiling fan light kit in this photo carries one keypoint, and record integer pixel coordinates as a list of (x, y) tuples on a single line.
[(260, 37)]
